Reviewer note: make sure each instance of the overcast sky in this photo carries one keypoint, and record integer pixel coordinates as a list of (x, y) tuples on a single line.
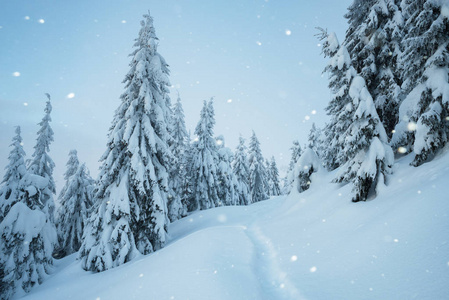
[(259, 59)]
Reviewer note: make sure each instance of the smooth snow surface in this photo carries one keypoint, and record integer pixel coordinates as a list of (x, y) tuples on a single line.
[(313, 245)]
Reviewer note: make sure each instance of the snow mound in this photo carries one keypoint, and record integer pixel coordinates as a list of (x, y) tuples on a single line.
[(311, 245)]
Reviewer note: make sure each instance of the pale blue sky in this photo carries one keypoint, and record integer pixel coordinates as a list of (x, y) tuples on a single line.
[(260, 54)]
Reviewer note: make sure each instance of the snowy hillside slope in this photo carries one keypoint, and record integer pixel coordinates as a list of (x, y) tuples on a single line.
[(313, 245)]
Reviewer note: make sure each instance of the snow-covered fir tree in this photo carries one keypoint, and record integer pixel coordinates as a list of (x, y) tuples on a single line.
[(296, 151), (369, 157), (267, 177), (204, 158), (316, 140), (75, 203), (41, 163), (241, 171), (257, 175), (15, 170), (227, 181), (296, 154), (306, 165), (340, 72), (130, 214), (273, 178), (373, 40), (72, 166), (27, 235), (26, 246), (177, 206), (424, 114)]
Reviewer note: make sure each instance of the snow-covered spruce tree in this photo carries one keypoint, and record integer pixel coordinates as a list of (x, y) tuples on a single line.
[(424, 114), (187, 187), (267, 177), (27, 236), (15, 171), (257, 175), (296, 154), (315, 140), (373, 40), (306, 165), (72, 166), (340, 72), (130, 215), (75, 205), (204, 158), (177, 206), (26, 247), (369, 157), (241, 171), (227, 181), (273, 178), (41, 163)]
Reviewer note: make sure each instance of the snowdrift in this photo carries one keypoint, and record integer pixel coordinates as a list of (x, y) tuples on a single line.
[(311, 245)]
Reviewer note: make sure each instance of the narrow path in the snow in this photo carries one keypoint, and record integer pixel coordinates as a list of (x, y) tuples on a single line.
[(274, 282)]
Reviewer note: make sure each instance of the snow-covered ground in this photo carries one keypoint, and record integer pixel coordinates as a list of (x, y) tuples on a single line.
[(313, 245)]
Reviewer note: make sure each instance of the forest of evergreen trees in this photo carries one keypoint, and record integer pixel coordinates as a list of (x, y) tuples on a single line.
[(390, 84)]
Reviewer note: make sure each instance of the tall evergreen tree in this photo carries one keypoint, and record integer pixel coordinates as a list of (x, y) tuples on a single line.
[(296, 154), (241, 171), (27, 236), (315, 140), (227, 181), (273, 180), (75, 203), (72, 166), (177, 207), (131, 198), (204, 162), (424, 125), (15, 171), (369, 157), (41, 164), (340, 74), (373, 40), (257, 175), (267, 177)]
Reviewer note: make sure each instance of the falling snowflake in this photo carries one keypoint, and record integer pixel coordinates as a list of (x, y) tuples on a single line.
[(229, 100), (288, 32), (16, 74), (123, 21), (402, 150), (259, 43), (25, 104), (27, 18), (313, 269), (42, 21), (411, 126), (71, 95), (313, 112), (294, 258)]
